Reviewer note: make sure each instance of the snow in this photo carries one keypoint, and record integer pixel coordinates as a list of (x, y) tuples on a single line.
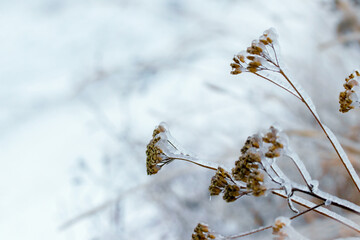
[(83, 83)]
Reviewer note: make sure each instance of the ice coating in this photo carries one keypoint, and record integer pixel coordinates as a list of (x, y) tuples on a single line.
[(314, 185), (322, 210), (168, 142), (281, 177), (280, 81), (271, 33), (284, 220), (335, 200), (350, 97), (282, 229), (267, 65), (169, 145), (306, 98), (344, 157), (300, 165), (163, 149), (262, 50), (354, 95)]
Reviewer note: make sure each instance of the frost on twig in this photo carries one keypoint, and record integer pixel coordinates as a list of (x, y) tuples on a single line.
[(282, 230), (163, 149), (256, 171), (322, 210), (157, 149), (263, 56)]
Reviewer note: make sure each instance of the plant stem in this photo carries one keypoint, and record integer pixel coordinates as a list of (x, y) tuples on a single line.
[(335, 201), (268, 79), (307, 210), (270, 226), (248, 233), (349, 168), (199, 164), (323, 211)]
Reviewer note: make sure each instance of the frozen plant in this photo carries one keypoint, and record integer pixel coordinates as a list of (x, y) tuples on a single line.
[(282, 230), (202, 232), (350, 98), (257, 173)]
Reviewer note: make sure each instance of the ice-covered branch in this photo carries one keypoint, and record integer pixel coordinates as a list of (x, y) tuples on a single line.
[(329, 134), (262, 56)]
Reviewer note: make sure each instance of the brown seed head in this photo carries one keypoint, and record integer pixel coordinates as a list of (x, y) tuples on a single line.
[(202, 232), (219, 181), (278, 226), (247, 167), (345, 101), (231, 193), (279, 230), (255, 50), (264, 41), (154, 154), (236, 71), (250, 142), (275, 147)]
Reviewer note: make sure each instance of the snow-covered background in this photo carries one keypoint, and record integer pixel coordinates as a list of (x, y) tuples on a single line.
[(83, 84)]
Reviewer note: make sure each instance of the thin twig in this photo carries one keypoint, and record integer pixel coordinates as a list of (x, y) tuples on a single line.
[(307, 210), (199, 164), (323, 211), (335, 201), (248, 233), (270, 226), (350, 169), (268, 79)]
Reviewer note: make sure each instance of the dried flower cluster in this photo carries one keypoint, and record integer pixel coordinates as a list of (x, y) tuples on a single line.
[(163, 149), (256, 171), (222, 183), (155, 156), (249, 168), (350, 98), (259, 56), (202, 232), (276, 146), (278, 226)]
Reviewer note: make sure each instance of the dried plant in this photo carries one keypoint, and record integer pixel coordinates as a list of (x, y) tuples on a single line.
[(257, 173), (349, 99)]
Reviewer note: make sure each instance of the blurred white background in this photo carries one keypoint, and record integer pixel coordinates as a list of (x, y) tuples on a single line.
[(83, 84)]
